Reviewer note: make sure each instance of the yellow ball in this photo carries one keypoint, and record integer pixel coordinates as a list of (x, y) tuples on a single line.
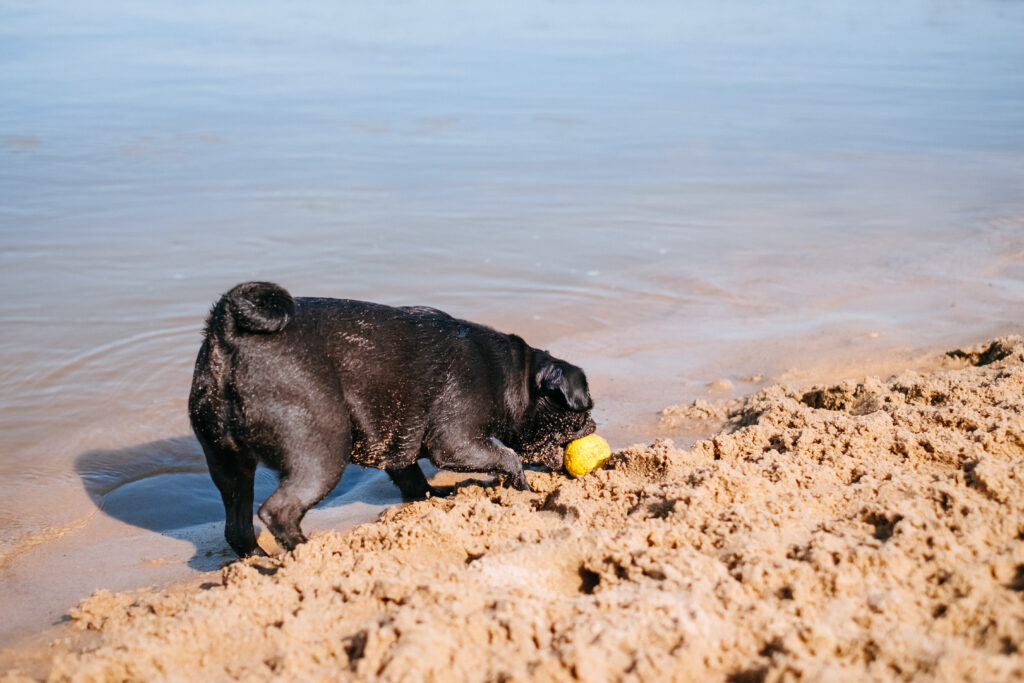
[(585, 455)]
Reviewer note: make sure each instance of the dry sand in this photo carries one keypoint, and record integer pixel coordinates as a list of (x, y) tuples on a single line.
[(869, 529)]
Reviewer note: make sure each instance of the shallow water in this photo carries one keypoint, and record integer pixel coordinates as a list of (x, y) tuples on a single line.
[(667, 195)]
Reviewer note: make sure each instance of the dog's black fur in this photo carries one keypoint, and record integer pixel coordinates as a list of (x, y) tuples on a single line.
[(308, 385)]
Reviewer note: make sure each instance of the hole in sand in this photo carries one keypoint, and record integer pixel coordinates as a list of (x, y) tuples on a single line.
[(772, 647), (1017, 584), (661, 509), (996, 351), (355, 648), (884, 526), (753, 675), (589, 581)]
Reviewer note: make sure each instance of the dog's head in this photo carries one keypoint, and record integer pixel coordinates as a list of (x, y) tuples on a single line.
[(558, 411)]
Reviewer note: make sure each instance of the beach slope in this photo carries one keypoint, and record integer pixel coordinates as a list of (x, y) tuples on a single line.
[(869, 529)]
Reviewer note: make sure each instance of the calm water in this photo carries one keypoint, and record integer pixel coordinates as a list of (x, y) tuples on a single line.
[(667, 194)]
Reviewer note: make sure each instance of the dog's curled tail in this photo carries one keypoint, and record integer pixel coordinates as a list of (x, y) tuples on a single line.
[(254, 308)]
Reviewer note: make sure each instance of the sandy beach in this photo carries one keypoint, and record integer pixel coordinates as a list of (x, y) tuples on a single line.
[(870, 529)]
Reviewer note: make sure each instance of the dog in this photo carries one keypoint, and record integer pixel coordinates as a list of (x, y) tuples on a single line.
[(307, 385)]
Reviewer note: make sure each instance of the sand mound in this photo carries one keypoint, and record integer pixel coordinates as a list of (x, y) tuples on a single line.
[(871, 529)]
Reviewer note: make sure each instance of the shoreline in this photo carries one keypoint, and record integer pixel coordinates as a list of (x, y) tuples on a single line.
[(856, 527), (145, 537)]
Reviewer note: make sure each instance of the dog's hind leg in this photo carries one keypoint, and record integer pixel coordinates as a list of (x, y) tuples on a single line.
[(233, 473), (313, 465)]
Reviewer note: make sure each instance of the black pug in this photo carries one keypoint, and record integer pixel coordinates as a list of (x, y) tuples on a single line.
[(307, 385)]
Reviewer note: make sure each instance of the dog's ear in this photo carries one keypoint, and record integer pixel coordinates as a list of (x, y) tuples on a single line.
[(562, 379)]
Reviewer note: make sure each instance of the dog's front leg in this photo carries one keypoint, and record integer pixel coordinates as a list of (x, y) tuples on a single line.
[(483, 455), (414, 485)]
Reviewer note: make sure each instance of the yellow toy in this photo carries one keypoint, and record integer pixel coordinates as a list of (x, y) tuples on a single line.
[(585, 455)]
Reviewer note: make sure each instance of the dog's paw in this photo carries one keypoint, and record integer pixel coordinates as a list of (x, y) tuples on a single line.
[(520, 483)]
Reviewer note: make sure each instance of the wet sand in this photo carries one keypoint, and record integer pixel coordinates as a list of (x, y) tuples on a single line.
[(860, 529)]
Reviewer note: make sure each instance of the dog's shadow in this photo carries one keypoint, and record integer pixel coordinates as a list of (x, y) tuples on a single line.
[(164, 486)]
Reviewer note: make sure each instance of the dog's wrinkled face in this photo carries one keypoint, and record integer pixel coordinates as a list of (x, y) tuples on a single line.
[(559, 412)]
